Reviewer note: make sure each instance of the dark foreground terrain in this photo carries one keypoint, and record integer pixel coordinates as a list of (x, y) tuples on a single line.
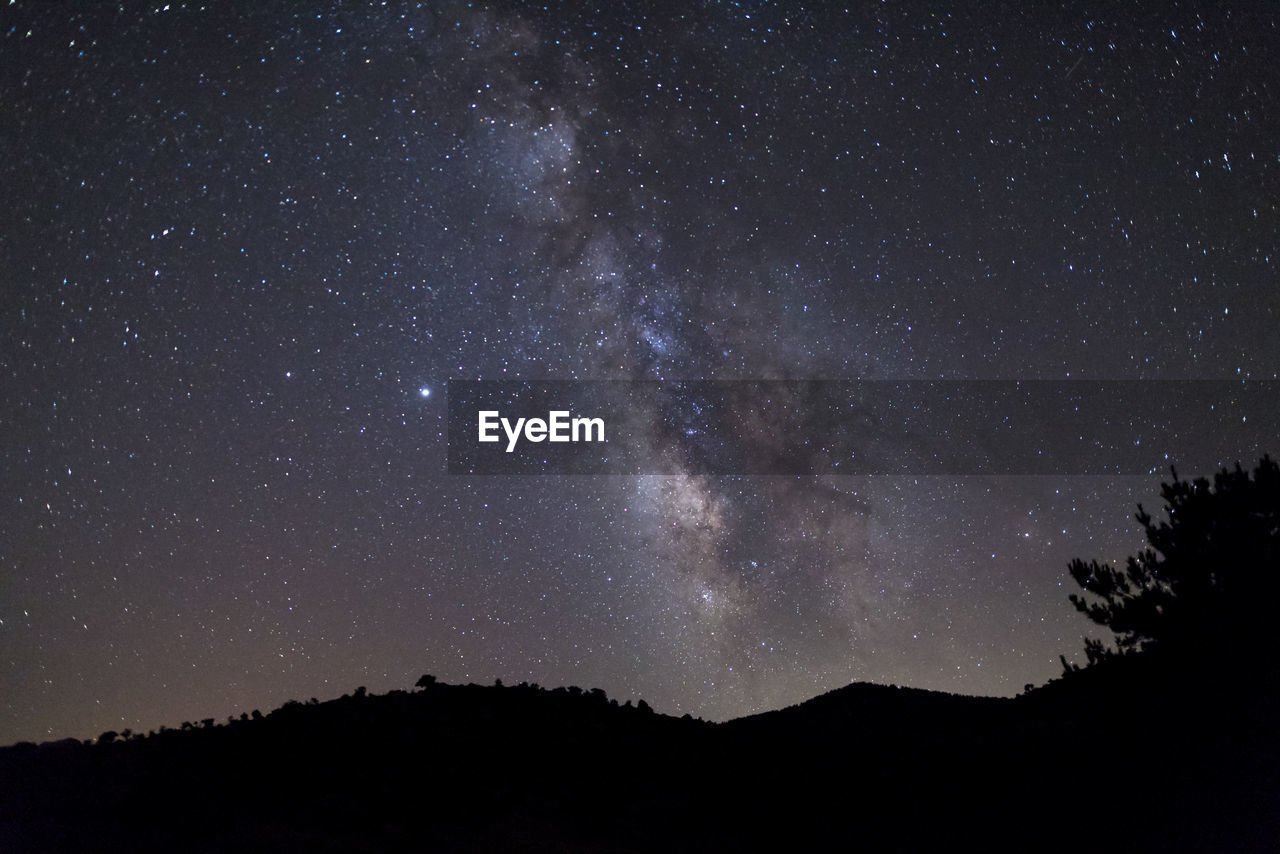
[(1092, 762)]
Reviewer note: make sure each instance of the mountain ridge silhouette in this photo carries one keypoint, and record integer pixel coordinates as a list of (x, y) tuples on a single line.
[(523, 768)]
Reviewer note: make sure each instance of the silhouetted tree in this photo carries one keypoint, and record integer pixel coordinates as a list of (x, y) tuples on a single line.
[(1205, 590), (425, 681)]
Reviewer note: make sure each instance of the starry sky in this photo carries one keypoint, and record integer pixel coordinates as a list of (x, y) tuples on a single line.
[(246, 246)]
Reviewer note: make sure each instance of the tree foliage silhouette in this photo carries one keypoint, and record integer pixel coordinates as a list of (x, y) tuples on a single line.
[(1206, 588)]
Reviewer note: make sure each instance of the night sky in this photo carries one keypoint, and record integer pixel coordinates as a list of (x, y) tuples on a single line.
[(244, 248)]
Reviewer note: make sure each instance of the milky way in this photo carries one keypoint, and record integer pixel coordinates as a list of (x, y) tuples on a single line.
[(245, 248)]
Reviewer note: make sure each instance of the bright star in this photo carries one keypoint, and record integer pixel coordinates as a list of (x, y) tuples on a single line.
[(424, 391)]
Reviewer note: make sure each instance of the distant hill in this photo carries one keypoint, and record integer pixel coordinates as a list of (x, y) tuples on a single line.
[(476, 768), (874, 706)]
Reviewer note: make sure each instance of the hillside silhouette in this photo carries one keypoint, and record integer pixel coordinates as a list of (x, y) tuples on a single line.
[(1164, 743), (520, 768)]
